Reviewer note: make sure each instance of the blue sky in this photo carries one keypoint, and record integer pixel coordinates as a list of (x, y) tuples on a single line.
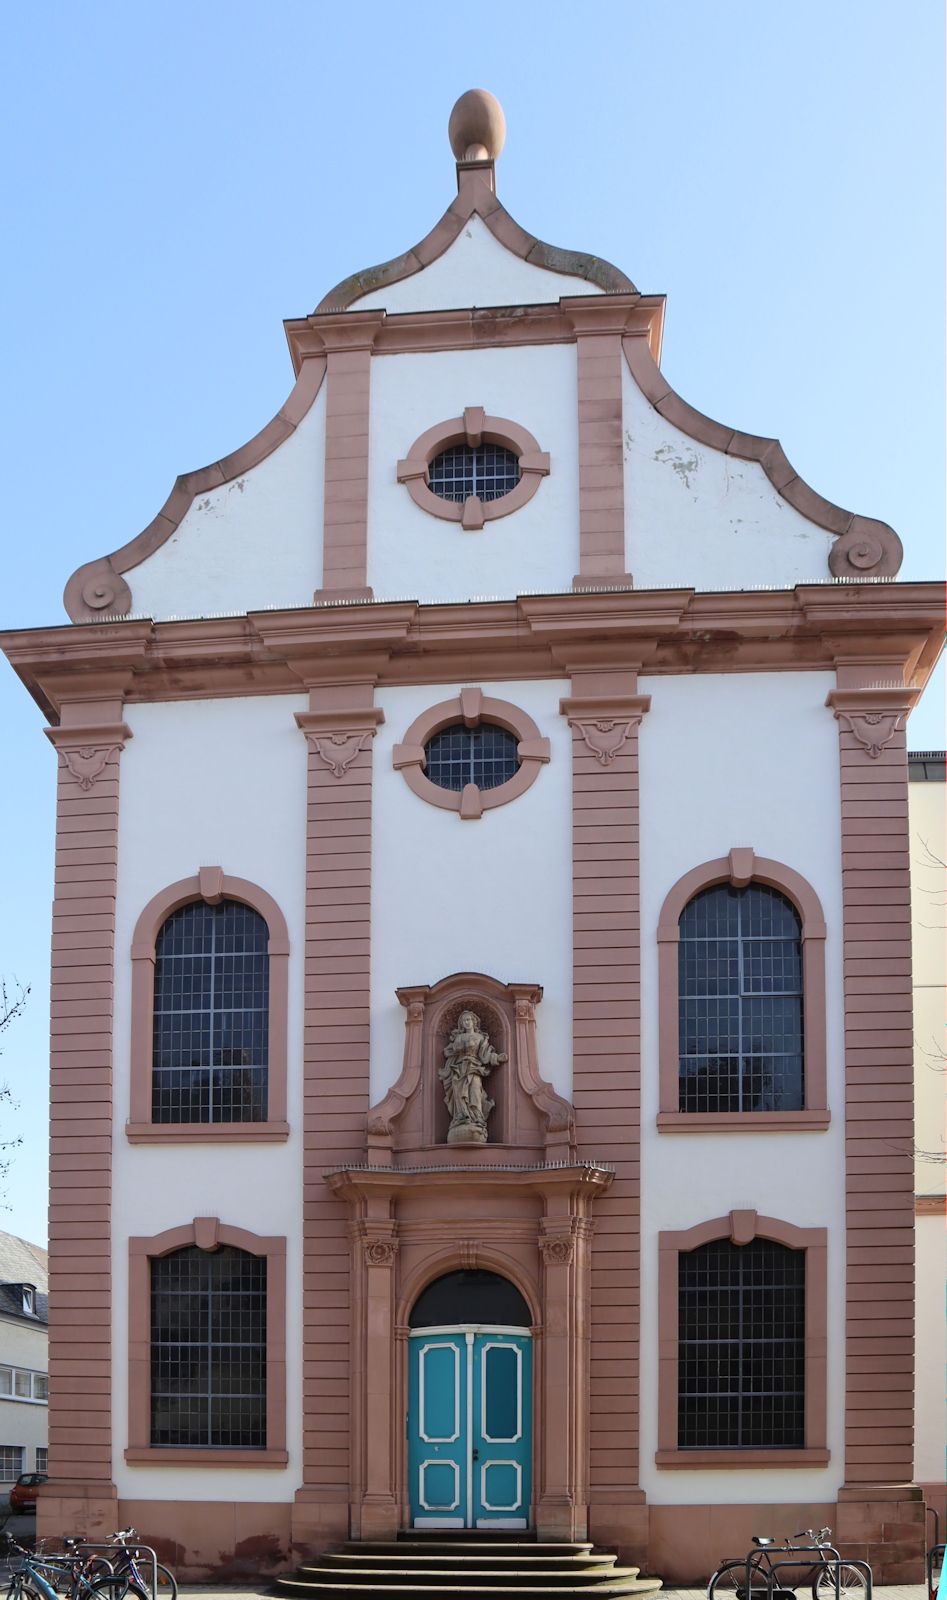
[(181, 176)]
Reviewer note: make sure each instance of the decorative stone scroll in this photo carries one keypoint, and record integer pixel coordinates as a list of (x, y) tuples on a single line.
[(337, 751), (86, 754)]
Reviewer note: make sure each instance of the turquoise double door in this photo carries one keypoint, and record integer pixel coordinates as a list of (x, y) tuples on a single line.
[(470, 1427)]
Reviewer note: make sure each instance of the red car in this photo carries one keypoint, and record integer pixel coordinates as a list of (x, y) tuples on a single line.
[(24, 1491)]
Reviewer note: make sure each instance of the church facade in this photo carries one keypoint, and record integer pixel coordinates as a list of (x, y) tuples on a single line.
[(481, 1037)]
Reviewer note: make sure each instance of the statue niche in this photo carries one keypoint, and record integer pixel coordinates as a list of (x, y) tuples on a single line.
[(469, 1058), (470, 1087)]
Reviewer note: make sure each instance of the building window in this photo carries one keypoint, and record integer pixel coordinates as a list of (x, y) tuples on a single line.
[(18, 1383), (211, 1015), (210, 980), (208, 1349), (11, 1462), (29, 1299), (485, 755), (474, 468), (488, 471), (742, 1331), (42, 1459), (740, 1001), (471, 754), (741, 1346)]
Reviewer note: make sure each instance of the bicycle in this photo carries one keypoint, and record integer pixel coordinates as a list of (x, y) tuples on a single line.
[(32, 1579), (128, 1558), (731, 1578)]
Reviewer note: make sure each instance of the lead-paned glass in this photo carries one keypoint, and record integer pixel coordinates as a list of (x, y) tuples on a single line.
[(208, 1349)]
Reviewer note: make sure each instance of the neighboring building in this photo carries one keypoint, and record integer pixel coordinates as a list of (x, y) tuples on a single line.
[(482, 1047), (928, 821), (24, 1364)]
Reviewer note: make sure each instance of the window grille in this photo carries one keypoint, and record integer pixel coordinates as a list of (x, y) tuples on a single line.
[(740, 1001), (42, 1458), (208, 1348), (741, 1346), (11, 1462), (211, 1015), (485, 755), (489, 471)]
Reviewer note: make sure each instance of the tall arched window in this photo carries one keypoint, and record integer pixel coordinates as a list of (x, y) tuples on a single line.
[(740, 1001), (208, 1349), (211, 1015)]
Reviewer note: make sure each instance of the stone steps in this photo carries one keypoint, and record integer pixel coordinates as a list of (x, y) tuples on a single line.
[(465, 1566)]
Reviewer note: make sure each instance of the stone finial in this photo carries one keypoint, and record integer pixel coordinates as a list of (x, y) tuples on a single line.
[(477, 127)]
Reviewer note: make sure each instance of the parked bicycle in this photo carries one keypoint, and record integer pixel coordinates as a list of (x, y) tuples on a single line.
[(138, 1563), (749, 1578), (50, 1577)]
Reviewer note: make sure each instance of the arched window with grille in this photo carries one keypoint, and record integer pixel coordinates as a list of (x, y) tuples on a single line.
[(211, 1015), (209, 1024), (740, 1001)]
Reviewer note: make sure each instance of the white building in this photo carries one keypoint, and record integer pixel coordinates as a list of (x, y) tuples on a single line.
[(534, 969), (24, 1364)]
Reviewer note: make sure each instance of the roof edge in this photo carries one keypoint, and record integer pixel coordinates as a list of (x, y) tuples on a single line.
[(476, 196), (864, 547), (97, 590)]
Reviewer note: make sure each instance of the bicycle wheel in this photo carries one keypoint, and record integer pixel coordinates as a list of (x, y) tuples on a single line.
[(852, 1583), (167, 1582), (729, 1580)]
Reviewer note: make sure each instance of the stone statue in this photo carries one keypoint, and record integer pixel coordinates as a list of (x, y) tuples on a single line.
[(468, 1060)]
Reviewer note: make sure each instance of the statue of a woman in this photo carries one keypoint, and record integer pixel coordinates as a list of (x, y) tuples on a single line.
[(468, 1060)]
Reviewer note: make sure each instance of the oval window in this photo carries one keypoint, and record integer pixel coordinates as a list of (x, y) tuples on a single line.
[(485, 755), (488, 471)]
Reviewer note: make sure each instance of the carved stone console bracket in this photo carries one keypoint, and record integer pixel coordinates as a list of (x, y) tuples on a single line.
[(87, 752), (873, 715), (337, 739)]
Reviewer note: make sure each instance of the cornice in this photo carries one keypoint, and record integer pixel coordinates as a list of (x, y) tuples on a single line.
[(888, 631)]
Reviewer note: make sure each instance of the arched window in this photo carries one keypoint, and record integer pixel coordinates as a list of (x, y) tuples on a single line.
[(741, 1346), (211, 1015), (740, 1001), (210, 975), (208, 1349)]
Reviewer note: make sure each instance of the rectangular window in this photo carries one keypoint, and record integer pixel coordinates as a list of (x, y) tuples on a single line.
[(17, 1383), (42, 1459), (208, 1349), (6, 1380), (741, 1347), (11, 1462), (40, 1386), (23, 1385)]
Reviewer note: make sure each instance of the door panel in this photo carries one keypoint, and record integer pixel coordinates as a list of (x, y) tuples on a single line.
[(437, 1443), (470, 1428), (502, 1429)]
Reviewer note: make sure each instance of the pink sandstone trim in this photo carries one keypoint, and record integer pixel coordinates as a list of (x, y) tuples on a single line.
[(98, 589), (476, 197), (212, 885), (742, 1227), (863, 546), (207, 1233), (604, 712), (601, 443), (471, 707), (739, 868), (871, 707), (348, 344), (472, 429)]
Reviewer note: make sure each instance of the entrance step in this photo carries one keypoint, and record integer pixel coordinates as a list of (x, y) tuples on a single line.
[(465, 1566)]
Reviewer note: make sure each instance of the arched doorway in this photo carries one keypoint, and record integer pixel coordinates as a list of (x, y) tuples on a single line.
[(470, 1381)]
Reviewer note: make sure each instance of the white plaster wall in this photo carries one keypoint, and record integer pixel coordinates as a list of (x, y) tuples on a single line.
[(476, 270), (699, 517), (930, 1363), (414, 554), (492, 896), (254, 542), (210, 783), (740, 760)]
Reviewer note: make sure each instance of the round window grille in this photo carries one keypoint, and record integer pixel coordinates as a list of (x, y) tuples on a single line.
[(489, 471), (485, 755)]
